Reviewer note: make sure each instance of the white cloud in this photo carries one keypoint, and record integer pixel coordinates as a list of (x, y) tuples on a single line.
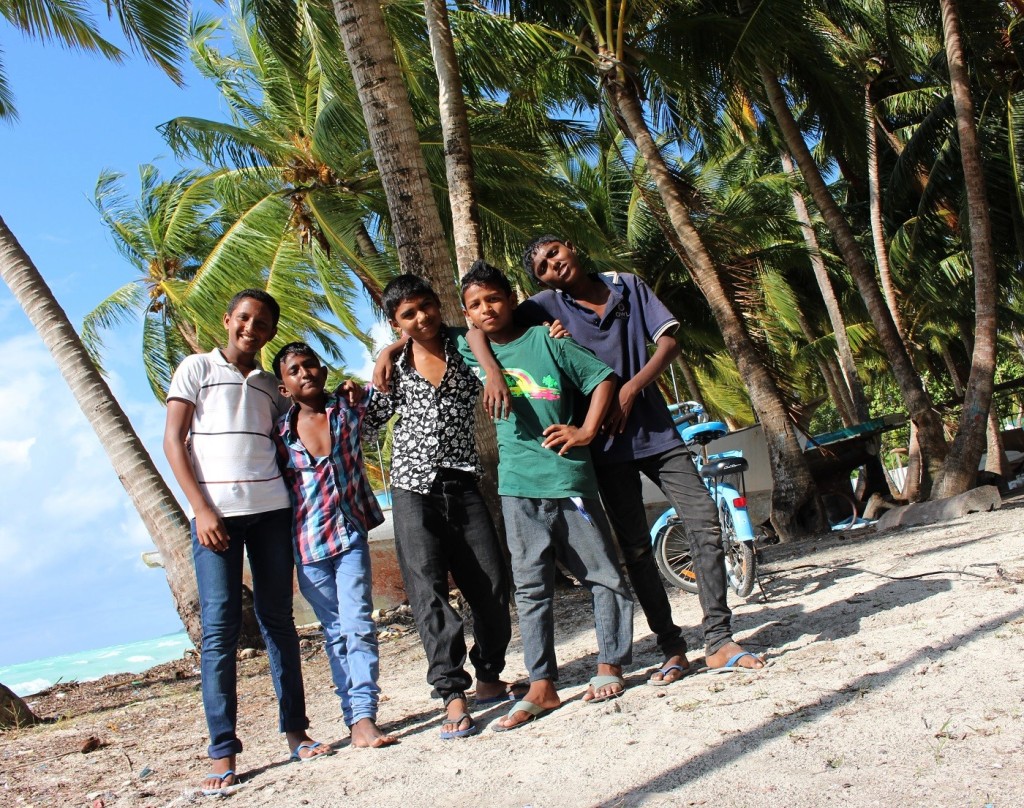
[(382, 334), (15, 452)]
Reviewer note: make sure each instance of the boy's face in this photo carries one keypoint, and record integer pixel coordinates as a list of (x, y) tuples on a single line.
[(302, 377), (419, 317), (555, 264), (250, 326), (489, 308)]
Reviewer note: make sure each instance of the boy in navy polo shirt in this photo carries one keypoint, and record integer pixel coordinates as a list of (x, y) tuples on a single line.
[(616, 315), (319, 451)]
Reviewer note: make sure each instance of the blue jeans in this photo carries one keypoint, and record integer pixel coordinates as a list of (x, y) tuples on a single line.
[(538, 532), (339, 590), (267, 540)]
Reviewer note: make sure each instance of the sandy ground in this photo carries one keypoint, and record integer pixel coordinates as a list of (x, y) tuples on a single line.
[(895, 680)]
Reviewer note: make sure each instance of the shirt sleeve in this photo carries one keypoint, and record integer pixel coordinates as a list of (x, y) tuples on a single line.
[(458, 335), (380, 408), (658, 320), (584, 369), (536, 310), (187, 381)]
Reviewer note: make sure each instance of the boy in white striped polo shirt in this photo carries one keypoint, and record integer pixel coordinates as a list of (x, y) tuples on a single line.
[(221, 407)]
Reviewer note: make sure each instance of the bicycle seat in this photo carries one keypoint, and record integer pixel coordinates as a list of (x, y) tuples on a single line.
[(704, 433), (722, 466)]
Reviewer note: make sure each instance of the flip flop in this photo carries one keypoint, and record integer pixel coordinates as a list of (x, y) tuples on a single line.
[(535, 711), (732, 667), (472, 729), (509, 695), (598, 682), (315, 745), (221, 790), (683, 673)]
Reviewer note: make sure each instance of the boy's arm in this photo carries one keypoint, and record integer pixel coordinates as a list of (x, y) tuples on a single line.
[(568, 436), (497, 399), (385, 362), (666, 349), (210, 528)]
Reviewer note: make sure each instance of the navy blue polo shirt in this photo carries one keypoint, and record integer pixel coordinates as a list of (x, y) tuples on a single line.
[(633, 318)]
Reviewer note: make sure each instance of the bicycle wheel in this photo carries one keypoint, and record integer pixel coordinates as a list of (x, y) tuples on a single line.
[(672, 552), (739, 555)]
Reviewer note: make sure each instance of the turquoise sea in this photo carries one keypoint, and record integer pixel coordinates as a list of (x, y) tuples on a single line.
[(27, 678)]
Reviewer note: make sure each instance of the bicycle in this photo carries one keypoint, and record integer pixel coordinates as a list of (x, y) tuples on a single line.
[(717, 472)]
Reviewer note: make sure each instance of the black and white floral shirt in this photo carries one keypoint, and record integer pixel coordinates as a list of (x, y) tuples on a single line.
[(434, 429)]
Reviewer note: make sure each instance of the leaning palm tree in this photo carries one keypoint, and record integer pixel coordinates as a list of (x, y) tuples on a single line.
[(157, 30)]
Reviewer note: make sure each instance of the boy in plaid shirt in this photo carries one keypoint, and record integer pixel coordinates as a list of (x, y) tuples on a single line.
[(334, 510)]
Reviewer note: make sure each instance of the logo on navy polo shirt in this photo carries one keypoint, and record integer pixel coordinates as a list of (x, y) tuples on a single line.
[(620, 311)]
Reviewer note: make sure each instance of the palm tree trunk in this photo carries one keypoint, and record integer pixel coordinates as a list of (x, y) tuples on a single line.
[(458, 154), (828, 294), (796, 506), (930, 436), (961, 467), (154, 501), (875, 208), (422, 248), (419, 236)]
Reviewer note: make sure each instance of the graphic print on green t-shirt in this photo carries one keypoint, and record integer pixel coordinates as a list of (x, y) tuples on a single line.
[(521, 385), (567, 372)]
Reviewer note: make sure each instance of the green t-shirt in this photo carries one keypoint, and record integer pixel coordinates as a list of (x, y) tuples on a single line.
[(546, 378)]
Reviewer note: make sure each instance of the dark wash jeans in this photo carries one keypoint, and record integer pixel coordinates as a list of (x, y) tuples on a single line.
[(674, 473), (267, 539), (450, 530)]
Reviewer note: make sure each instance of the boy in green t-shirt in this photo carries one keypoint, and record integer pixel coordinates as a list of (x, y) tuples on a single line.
[(549, 490)]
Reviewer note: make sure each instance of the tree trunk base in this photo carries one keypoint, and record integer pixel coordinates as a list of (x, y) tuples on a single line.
[(14, 713)]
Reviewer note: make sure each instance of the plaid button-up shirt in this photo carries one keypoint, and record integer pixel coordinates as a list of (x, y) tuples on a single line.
[(333, 502)]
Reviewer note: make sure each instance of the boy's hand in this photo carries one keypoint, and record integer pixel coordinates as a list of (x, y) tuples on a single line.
[(210, 530), (621, 407), (565, 436), (556, 330), (352, 392), (382, 372), (497, 398)]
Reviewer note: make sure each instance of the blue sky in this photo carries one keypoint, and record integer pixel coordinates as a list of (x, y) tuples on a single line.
[(70, 540)]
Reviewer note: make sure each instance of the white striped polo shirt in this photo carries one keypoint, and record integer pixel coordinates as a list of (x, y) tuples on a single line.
[(233, 455)]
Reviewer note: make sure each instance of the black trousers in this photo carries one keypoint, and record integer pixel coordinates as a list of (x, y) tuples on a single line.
[(450, 530)]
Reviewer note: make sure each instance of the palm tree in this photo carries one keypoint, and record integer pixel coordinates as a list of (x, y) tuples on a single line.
[(164, 235), (155, 28), (620, 42)]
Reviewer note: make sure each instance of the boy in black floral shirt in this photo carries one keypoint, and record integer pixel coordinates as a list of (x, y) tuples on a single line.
[(441, 522)]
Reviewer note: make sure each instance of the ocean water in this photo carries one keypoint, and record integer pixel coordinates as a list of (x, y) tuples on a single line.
[(27, 678)]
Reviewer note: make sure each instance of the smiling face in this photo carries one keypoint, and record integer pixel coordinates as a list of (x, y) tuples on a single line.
[(556, 264), (250, 326), (302, 377), (489, 308), (419, 317)]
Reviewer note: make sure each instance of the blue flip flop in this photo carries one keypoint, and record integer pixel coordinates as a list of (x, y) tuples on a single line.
[(732, 667), (683, 673), (222, 789), (472, 729), (315, 745)]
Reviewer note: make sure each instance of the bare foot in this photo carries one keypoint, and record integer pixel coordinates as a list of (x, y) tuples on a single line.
[(541, 693), (674, 669), (222, 774), (494, 692), (729, 651), (367, 735), (609, 690), (305, 748)]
